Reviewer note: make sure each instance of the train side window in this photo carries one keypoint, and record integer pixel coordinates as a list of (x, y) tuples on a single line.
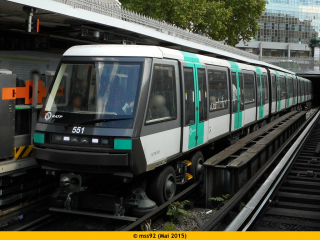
[(249, 88), (283, 87), (265, 86), (163, 99), (189, 95), (218, 89), (274, 88), (202, 94)]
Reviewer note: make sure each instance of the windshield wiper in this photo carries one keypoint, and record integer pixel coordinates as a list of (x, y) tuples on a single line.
[(97, 121)]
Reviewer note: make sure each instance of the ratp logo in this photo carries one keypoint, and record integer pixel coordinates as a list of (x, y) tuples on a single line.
[(191, 131), (48, 116)]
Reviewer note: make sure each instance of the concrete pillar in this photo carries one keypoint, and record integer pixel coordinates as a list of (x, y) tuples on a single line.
[(260, 54), (289, 56)]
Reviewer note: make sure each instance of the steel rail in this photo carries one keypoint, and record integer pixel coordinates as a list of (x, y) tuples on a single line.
[(247, 216), (224, 211)]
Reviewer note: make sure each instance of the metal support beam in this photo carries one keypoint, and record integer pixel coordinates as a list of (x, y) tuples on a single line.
[(35, 77)]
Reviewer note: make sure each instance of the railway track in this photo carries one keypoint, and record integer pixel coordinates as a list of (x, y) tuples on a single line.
[(289, 199), (49, 221), (219, 221), (228, 213)]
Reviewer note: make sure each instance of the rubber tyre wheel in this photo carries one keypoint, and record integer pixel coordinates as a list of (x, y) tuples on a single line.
[(264, 123), (255, 127), (138, 212), (192, 169), (272, 119), (156, 190)]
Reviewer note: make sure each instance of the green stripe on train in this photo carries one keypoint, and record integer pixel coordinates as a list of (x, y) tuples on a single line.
[(198, 128), (238, 115)]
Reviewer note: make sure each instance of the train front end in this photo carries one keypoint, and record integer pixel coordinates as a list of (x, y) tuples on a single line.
[(88, 133)]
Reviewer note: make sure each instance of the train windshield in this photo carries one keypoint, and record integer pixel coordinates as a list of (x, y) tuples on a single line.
[(87, 92)]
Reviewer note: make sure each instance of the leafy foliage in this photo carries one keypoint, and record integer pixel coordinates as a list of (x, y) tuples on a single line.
[(170, 227), (224, 199), (223, 20), (176, 211), (217, 199)]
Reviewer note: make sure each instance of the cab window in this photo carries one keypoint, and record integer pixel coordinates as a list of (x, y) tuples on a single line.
[(162, 104)]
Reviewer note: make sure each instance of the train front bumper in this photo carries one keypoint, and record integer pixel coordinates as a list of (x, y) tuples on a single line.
[(58, 157)]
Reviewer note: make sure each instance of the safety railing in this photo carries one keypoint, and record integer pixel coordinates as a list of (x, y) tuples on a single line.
[(114, 11)]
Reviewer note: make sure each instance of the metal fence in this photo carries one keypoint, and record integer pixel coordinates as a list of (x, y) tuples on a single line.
[(113, 10)]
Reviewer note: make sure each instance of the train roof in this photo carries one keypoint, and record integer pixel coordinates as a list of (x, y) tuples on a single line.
[(104, 50)]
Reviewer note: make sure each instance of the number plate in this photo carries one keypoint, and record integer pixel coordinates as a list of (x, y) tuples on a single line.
[(78, 130)]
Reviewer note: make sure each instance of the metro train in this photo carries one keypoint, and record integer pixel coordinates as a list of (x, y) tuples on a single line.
[(124, 126)]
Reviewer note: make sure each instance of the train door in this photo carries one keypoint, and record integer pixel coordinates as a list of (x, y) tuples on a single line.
[(195, 130), (249, 97), (294, 83), (273, 93), (298, 90), (161, 132), (287, 102), (260, 95), (237, 114), (302, 90), (219, 110), (289, 94), (283, 93), (278, 107), (308, 85), (266, 94)]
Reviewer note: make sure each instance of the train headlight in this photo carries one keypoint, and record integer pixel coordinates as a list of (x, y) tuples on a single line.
[(56, 138), (84, 140), (105, 141), (95, 140), (74, 139), (66, 138)]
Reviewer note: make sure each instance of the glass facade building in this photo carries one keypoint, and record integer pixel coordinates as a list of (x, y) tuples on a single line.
[(290, 21)]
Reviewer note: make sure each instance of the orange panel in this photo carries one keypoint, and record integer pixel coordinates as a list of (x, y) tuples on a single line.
[(8, 93), (24, 92)]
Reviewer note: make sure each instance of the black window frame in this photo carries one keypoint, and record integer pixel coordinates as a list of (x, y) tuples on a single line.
[(149, 96), (227, 89), (254, 86)]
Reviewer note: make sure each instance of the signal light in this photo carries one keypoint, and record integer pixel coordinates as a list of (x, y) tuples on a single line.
[(35, 26)]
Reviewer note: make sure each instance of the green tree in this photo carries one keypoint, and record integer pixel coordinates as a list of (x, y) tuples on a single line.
[(225, 20)]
